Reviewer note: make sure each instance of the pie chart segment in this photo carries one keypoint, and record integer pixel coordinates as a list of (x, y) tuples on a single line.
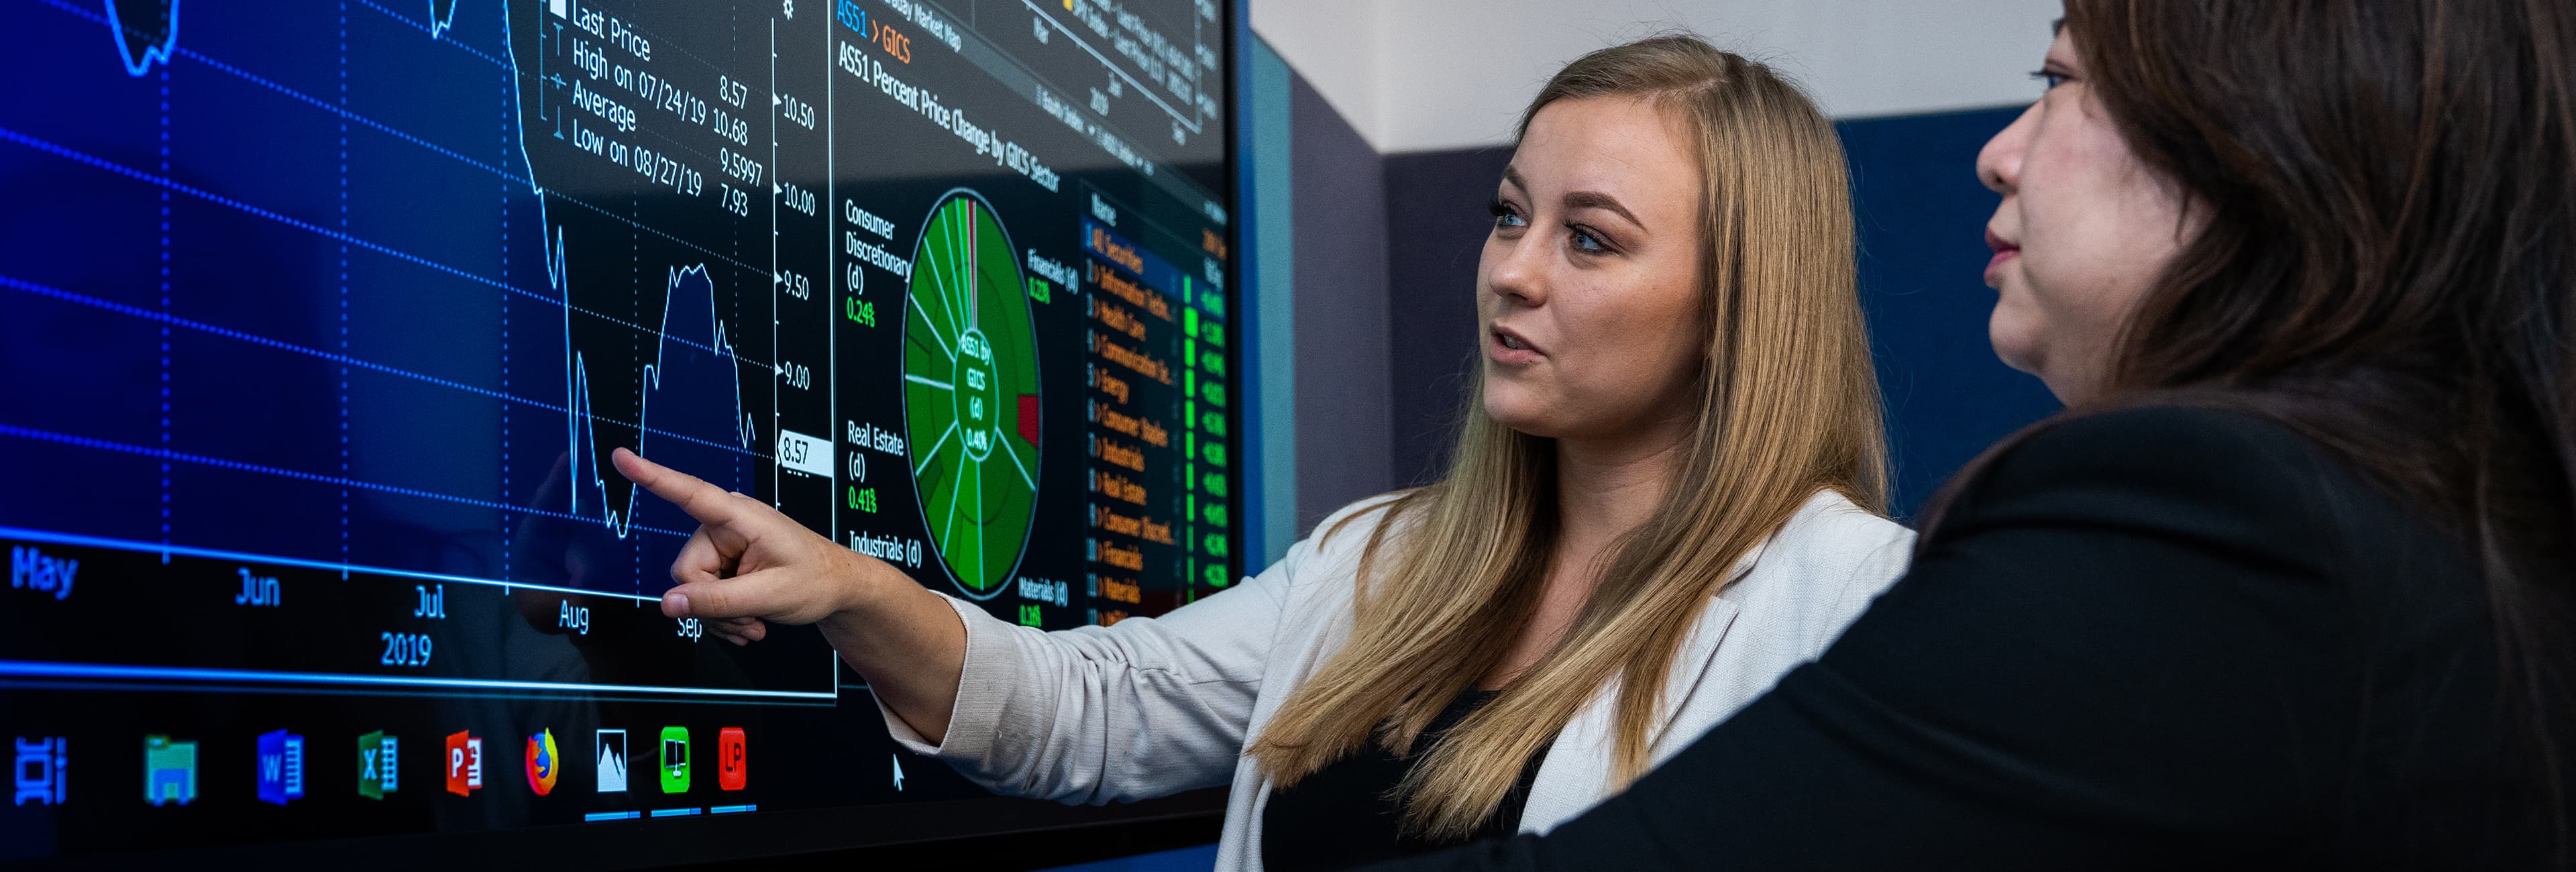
[(971, 396)]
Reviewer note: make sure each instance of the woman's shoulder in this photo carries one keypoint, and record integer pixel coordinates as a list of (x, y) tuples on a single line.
[(1361, 516), (1829, 523), (2225, 479), (2158, 439), (1831, 550), (1332, 550), (2161, 459)]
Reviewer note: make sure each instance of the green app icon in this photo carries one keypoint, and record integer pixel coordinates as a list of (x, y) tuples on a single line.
[(675, 759), (376, 771)]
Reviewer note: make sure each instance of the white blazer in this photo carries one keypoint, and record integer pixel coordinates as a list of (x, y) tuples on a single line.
[(1154, 706)]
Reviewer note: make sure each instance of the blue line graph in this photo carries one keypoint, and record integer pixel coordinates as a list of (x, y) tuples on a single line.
[(301, 363), (17, 284), (169, 48), (581, 423), (680, 301), (442, 15), (436, 25), (690, 350), (291, 307), (148, 38), (439, 25)]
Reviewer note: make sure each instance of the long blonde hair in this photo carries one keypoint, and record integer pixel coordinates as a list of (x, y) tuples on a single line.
[(1787, 406)]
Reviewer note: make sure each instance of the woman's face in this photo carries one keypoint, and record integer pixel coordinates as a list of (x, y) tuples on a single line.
[(2083, 231), (1588, 290)]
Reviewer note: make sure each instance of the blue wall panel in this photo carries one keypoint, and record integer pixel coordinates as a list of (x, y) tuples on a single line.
[(1269, 300), (1922, 219)]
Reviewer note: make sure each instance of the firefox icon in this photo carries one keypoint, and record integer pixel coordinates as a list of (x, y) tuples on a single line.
[(543, 762)]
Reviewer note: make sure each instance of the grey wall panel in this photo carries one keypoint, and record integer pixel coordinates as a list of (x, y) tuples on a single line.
[(1437, 209), (1338, 193)]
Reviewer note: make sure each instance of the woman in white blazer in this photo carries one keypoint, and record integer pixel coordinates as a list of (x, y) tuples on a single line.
[(1662, 499)]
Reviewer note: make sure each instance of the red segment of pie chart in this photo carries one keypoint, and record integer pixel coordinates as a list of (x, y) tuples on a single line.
[(1029, 418)]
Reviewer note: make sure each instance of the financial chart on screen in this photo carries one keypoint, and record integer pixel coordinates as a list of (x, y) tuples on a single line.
[(319, 321)]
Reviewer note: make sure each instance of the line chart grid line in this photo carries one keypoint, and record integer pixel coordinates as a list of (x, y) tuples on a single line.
[(164, 181), (168, 320), (346, 115), (34, 434)]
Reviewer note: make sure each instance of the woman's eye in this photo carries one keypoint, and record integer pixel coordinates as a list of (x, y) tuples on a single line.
[(1585, 241), (2048, 79), (1505, 218)]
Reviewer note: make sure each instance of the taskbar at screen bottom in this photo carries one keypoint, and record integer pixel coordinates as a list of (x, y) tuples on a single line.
[(992, 833), (121, 776)]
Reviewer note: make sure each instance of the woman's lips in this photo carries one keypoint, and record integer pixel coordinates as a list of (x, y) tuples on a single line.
[(1501, 352), (2003, 251)]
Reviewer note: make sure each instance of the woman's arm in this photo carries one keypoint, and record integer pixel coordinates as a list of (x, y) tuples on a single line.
[(2130, 644), (748, 565), (1147, 707), (1142, 708)]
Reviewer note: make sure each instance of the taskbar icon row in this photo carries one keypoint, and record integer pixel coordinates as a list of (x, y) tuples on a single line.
[(41, 772)]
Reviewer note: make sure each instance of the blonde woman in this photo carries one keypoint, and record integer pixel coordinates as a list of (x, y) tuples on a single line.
[(1662, 499)]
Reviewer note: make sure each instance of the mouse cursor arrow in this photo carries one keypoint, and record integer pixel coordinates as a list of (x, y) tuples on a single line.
[(898, 771)]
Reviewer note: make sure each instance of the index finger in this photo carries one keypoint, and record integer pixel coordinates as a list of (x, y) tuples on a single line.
[(711, 505)]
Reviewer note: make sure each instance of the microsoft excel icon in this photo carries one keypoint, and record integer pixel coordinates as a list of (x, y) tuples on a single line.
[(377, 774)]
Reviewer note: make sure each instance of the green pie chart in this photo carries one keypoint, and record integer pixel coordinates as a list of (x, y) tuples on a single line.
[(970, 393)]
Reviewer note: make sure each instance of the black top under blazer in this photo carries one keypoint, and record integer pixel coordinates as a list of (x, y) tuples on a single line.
[(2156, 638)]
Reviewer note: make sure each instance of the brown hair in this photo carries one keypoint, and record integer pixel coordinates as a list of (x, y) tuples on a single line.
[(2390, 197), (1787, 405)]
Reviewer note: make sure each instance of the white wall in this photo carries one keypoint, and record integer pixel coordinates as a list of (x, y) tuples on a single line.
[(1428, 75)]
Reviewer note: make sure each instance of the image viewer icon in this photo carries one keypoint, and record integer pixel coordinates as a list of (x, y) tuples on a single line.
[(609, 749)]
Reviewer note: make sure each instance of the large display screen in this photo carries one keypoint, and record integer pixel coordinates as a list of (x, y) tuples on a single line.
[(320, 319)]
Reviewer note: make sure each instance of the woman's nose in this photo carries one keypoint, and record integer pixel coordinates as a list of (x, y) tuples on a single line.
[(1516, 275), (1999, 163)]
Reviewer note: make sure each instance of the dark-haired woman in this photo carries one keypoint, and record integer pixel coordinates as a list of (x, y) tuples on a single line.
[(2288, 585)]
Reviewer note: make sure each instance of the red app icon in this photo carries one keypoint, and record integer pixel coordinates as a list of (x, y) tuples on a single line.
[(732, 769), (464, 763)]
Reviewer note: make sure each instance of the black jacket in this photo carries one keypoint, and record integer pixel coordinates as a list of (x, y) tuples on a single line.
[(2157, 638)]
